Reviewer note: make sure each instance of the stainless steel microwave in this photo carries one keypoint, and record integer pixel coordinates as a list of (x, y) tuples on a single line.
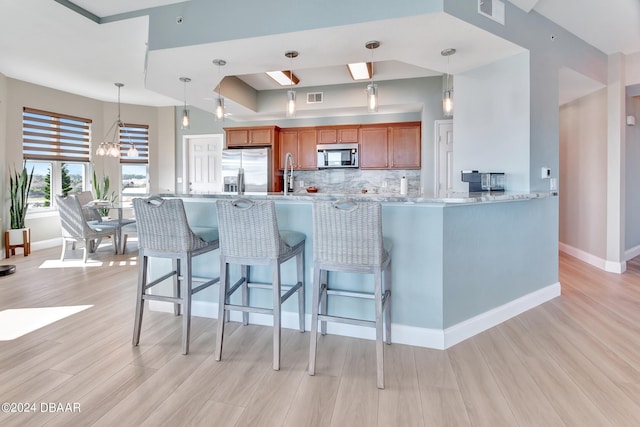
[(337, 156)]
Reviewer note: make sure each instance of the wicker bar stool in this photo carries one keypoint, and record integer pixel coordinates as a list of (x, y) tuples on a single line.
[(249, 235), (163, 232), (347, 237)]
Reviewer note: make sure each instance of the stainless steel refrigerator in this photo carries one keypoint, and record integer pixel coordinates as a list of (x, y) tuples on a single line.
[(255, 164)]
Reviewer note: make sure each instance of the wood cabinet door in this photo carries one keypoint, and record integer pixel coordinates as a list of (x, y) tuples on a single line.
[(237, 137), (374, 148), (307, 151), (260, 136), (348, 134), (327, 136), (405, 143), (288, 144)]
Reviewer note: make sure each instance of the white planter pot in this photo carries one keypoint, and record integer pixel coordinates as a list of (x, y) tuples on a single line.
[(16, 235)]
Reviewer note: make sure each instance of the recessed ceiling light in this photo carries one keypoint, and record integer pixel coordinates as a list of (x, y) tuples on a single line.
[(360, 70), (284, 78)]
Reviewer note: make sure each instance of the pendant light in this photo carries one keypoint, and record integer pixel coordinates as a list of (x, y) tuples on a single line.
[(447, 94), (291, 94), (111, 148), (219, 111), (372, 88), (185, 113)]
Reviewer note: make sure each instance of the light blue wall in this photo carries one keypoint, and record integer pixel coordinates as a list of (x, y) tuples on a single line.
[(211, 21), (495, 253), (449, 263)]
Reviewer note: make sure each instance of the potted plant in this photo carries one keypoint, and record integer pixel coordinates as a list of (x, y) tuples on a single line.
[(19, 186), (101, 192)]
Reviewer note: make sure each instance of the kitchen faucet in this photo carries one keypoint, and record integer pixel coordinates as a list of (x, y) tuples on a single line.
[(288, 177)]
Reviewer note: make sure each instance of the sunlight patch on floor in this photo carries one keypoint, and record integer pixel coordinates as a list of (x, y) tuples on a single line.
[(17, 322), (69, 263)]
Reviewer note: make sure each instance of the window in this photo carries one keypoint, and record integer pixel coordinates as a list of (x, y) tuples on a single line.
[(56, 147), (134, 169)]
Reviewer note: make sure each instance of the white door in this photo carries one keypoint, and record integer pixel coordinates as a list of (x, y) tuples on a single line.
[(204, 154), (444, 156)]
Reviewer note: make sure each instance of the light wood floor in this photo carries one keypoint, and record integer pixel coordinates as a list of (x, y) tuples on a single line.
[(574, 361)]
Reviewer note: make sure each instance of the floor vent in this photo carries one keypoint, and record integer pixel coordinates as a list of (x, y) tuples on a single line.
[(493, 9), (315, 98)]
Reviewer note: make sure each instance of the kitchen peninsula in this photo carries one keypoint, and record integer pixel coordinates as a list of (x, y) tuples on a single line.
[(461, 263)]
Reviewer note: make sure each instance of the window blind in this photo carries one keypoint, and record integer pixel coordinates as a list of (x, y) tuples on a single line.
[(54, 136), (138, 136)]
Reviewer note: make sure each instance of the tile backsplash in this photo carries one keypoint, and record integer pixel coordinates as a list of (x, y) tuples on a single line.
[(342, 181)]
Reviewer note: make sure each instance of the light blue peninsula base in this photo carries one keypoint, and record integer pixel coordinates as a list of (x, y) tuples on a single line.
[(460, 264)]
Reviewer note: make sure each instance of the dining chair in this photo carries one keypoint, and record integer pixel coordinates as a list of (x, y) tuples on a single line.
[(76, 228)]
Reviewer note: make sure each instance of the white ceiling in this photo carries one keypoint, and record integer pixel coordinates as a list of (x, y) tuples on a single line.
[(40, 43)]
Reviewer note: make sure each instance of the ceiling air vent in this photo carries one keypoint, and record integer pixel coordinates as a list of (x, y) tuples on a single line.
[(315, 98), (493, 9)]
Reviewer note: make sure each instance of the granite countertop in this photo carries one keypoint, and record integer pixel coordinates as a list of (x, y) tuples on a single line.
[(445, 198)]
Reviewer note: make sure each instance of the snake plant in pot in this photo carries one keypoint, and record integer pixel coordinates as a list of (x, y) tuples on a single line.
[(19, 235), (19, 186)]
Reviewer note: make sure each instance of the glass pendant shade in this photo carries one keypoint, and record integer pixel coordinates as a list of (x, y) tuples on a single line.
[(447, 93), (220, 109), (185, 119), (447, 103), (291, 103), (132, 152), (372, 97)]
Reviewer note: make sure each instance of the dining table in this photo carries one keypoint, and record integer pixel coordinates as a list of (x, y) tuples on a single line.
[(101, 206)]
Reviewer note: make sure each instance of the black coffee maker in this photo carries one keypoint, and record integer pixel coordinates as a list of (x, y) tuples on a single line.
[(483, 181)]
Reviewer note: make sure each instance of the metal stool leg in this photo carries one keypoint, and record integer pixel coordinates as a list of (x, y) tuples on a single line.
[(387, 307), (379, 343), (300, 275), (222, 300), (175, 266), (142, 281), (277, 298), (245, 293), (314, 320), (186, 301), (324, 288)]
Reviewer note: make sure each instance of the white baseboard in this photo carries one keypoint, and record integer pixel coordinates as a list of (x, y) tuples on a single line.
[(583, 256), (401, 334), (602, 264), (46, 244), (470, 327), (632, 253)]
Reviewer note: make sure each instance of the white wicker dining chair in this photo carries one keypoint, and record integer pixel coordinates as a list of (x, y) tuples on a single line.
[(75, 227), (164, 232), (347, 237), (249, 235)]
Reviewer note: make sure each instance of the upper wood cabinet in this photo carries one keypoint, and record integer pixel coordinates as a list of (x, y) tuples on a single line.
[(263, 136), (390, 146), (301, 143), (374, 147), (405, 146), (337, 134)]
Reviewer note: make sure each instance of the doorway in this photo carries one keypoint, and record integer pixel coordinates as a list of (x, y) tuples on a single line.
[(202, 163), (444, 156)]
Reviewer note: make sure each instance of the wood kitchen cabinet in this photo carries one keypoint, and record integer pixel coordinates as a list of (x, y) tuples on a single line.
[(390, 146), (374, 147), (338, 134), (262, 136), (301, 143), (405, 146)]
